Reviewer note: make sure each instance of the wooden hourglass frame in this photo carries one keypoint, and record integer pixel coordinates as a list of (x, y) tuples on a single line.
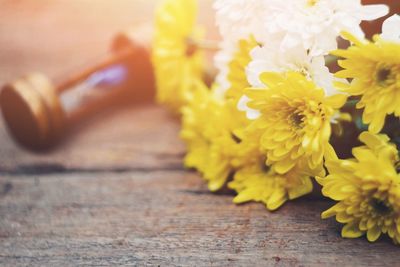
[(39, 112)]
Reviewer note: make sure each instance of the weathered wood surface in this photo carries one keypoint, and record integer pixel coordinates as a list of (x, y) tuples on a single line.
[(115, 192), (165, 219)]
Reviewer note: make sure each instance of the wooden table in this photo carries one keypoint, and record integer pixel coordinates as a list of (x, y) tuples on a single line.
[(115, 193)]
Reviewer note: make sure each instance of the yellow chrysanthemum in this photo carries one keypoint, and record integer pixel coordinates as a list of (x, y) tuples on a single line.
[(260, 183), (210, 131), (176, 59), (294, 125), (195, 118), (375, 70), (237, 69), (367, 189)]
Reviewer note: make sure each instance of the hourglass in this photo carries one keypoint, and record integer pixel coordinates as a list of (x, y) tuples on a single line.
[(38, 111)]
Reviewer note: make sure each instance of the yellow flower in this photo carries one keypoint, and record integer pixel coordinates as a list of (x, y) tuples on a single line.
[(211, 131), (237, 69), (367, 189), (176, 59), (213, 127), (195, 118), (260, 183), (294, 125), (375, 70)]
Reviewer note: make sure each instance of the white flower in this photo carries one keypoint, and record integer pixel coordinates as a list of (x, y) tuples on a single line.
[(391, 29), (221, 62), (266, 59), (315, 24), (251, 114), (238, 19)]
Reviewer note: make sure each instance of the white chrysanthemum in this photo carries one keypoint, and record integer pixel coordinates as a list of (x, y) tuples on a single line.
[(221, 62), (266, 59), (238, 19), (315, 24), (391, 29)]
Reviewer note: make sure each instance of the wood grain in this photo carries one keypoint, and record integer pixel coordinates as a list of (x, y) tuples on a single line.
[(126, 139), (121, 197), (166, 219), (115, 193)]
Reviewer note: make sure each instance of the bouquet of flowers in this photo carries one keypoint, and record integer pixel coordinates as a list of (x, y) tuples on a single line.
[(287, 106)]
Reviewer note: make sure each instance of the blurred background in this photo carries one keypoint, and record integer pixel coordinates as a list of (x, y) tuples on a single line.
[(61, 37), (57, 36)]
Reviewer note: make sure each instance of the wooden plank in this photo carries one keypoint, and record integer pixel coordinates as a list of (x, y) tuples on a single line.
[(164, 218), (130, 138)]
